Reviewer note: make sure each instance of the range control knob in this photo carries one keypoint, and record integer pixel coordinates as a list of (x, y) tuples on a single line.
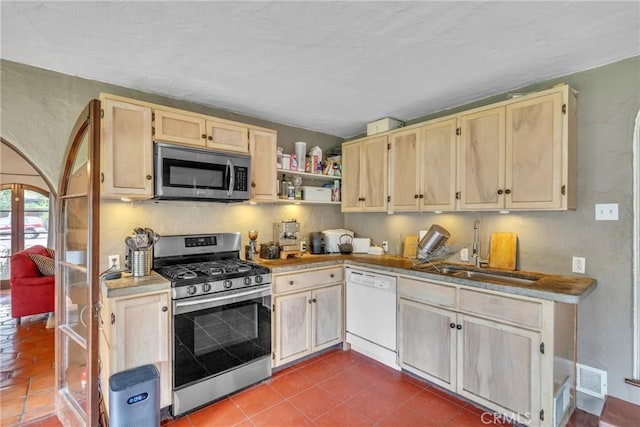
[(206, 287), (191, 289), (258, 279), (227, 283), (246, 281)]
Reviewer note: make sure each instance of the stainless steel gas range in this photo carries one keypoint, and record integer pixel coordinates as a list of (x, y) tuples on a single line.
[(221, 317)]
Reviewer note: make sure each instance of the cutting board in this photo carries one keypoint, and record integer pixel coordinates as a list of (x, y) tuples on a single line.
[(410, 245), (502, 252)]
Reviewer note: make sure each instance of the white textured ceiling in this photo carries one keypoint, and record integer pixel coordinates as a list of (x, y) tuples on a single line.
[(326, 66)]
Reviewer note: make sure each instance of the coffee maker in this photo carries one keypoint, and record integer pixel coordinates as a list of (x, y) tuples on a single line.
[(284, 235)]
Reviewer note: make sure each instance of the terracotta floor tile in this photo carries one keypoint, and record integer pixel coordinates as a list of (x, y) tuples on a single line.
[(10, 421), (446, 396), (256, 399), (37, 400), (433, 408), (314, 402), (342, 416), (372, 373), (374, 405), (245, 423), (404, 417), (51, 422), (39, 412), (468, 419), (34, 370), (10, 408), (398, 389), (178, 422), (42, 382), (290, 384), (282, 415), (345, 385), (320, 371), (15, 391), (222, 413)]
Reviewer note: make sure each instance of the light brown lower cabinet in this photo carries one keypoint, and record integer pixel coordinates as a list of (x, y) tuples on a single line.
[(307, 320), (508, 353), (135, 332)]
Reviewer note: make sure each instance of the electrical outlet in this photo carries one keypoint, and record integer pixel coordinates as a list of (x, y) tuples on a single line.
[(606, 212), (114, 262), (385, 246), (464, 254), (579, 265)]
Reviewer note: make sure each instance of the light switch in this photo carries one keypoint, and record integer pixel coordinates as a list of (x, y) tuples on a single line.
[(607, 212)]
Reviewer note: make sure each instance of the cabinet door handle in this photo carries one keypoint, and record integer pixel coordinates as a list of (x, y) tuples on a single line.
[(165, 308), (415, 196), (291, 282), (101, 176), (204, 136), (149, 177), (332, 275), (507, 191), (210, 138), (314, 300), (452, 325), (422, 196), (458, 327), (310, 301), (500, 191), (113, 318), (253, 185)]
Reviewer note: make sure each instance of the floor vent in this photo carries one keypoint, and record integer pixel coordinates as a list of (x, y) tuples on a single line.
[(591, 381)]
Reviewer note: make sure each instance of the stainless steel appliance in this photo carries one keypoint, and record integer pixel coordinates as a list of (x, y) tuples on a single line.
[(187, 173), (316, 242), (284, 235), (221, 317)]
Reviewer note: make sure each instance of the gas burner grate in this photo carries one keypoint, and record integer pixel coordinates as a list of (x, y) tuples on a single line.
[(180, 272)]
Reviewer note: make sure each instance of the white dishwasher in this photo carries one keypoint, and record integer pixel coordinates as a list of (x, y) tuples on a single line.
[(371, 315)]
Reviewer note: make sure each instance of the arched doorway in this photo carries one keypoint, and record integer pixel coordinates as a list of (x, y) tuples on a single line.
[(27, 377), (26, 203)]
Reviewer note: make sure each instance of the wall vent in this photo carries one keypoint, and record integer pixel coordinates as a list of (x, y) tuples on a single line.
[(591, 381)]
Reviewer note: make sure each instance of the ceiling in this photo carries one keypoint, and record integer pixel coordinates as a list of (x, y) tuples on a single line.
[(325, 66)]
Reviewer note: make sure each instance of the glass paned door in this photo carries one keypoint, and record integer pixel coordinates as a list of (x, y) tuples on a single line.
[(77, 278), (24, 222)]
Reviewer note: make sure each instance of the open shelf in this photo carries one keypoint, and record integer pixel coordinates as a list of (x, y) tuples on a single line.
[(308, 175)]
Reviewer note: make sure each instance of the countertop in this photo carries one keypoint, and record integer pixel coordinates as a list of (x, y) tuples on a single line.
[(567, 289), (128, 285)]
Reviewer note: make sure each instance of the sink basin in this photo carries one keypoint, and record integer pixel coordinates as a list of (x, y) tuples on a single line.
[(473, 273), (494, 278)]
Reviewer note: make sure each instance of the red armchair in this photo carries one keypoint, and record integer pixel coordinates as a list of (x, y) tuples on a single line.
[(31, 291)]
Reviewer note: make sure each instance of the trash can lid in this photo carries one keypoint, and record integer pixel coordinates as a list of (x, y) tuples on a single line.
[(131, 377)]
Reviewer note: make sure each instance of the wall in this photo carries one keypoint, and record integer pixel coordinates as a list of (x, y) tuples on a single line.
[(608, 101), (39, 108), (15, 169)]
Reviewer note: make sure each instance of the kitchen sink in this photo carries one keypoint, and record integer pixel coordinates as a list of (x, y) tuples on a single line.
[(474, 273)]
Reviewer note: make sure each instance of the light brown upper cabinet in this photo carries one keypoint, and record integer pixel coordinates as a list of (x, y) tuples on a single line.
[(172, 126), (228, 136), (262, 146), (364, 178), (521, 154), (203, 131), (127, 150), (422, 164)]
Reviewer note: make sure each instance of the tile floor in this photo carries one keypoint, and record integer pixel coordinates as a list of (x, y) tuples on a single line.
[(27, 377), (333, 389), (345, 389)]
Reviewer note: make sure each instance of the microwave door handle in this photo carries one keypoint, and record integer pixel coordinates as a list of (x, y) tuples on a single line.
[(231, 170)]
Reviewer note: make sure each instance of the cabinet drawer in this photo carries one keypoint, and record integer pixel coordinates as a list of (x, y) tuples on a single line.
[(308, 279), (431, 293), (513, 310)]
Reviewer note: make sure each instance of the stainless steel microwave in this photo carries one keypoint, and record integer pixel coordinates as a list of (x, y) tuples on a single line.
[(188, 173)]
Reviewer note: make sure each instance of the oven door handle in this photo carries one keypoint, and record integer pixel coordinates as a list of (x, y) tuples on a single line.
[(232, 177), (181, 307)]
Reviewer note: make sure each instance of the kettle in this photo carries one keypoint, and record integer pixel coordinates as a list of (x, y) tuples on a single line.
[(345, 246)]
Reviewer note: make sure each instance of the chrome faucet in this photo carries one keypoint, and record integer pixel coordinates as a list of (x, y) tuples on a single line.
[(476, 244)]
